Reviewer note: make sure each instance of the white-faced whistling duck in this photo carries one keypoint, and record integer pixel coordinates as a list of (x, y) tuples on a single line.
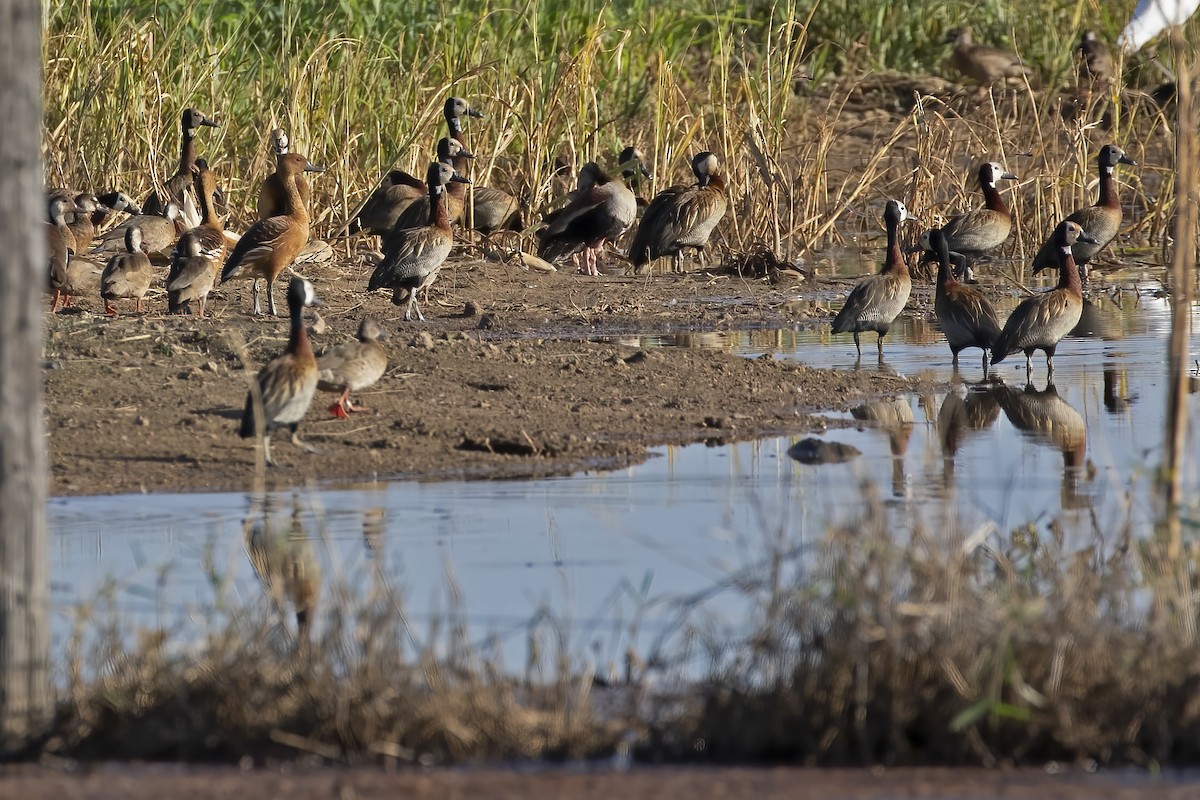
[(177, 185), (159, 233), (454, 196), (284, 388), (876, 302), (413, 256), (127, 275), (269, 246), (1041, 321), (980, 231), (272, 197), (1101, 221), (493, 209), (602, 209), (965, 316), (983, 64), (353, 366), (682, 216), (60, 244)]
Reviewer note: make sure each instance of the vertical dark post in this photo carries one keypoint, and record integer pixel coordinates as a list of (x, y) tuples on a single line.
[(1182, 267), (26, 701)]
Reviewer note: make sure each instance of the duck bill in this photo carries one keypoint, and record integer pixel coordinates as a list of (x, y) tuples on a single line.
[(1009, 176), (1084, 236), (314, 168), (471, 112), (1124, 159), (456, 178), (210, 123)]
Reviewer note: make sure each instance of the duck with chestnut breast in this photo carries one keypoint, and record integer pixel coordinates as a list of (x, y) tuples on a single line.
[(966, 317), (602, 209), (980, 231), (60, 244), (202, 245), (876, 302), (1041, 321), (1101, 221), (414, 256), (284, 388), (127, 275), (272, 196), (416, 213), (82, 224), (399, 191), (353, 366), (177, 185), (981, 63), (270, 245), (492, 209), (107, 204), (682, 216)]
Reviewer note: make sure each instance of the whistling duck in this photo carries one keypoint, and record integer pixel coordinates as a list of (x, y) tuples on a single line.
[(415, 213), (83, 224), (60, 244), (965, 316), (415, 255), (877, 301), (353, 366), (127, 274), (280, 395), (175, 189), (191, 277), (203, 244), (633, 170), (1045, 416), (1044, 319), (107, 204), (82, 277), (270, 245), (159, 233), (980, 231), (682, 216), (602, 209), (985, 65), (493, 209), (282, 558), (1101, 221), (272, 197)]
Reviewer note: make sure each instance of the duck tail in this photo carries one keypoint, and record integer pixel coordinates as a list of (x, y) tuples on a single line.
[(176, 307)]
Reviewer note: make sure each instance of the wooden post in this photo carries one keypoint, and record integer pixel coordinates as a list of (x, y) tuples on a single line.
[(26, 699)]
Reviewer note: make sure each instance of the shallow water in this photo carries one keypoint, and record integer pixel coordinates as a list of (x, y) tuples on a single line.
[(617, 556)]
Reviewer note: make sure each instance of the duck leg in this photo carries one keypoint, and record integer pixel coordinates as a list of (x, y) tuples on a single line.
[(138, 306), (677, 261), (203, 300), (254, 294), (108, 309), (267, 450), (879, 344), (338, 409), (271, 299), (857, 344), (303, 445), (54, 300), (985, 363)]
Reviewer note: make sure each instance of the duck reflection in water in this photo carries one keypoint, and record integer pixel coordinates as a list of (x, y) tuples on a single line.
[(281, 554), (1045, 417), (963, 411), (893, 415)]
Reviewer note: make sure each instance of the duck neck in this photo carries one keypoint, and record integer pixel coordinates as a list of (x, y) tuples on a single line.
[(295, 203), (208, 214), (454, 124), (438, 217), (1108, 188), (298, 344), (187, 151), (717, 182), (1068, 272), (895, 257), (945, 278), (992, 198)]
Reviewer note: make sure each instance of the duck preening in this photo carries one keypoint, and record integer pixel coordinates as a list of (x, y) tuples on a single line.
[(680, 217), (876, 302), (602, 209), (413, 256), (284, 388), (271, 245), (1100, 221), (353, 366), (1041, 321), (965, 316)]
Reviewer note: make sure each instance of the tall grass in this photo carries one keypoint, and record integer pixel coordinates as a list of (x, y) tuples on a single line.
[(359, 86)]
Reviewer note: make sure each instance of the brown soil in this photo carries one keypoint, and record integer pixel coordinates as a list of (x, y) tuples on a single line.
[(505, 379), (183, 783)]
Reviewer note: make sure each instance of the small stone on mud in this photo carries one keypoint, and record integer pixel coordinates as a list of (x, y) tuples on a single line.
[(636, 358), (142, 421), (470, 309), (424, 340), (817, 451)]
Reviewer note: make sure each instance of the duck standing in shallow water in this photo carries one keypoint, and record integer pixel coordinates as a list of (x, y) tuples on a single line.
[(269, 246), (128, 274), (965, 316), (1101, 221), (414, 256), (1041, 321), (682, 216), (353, 367), (284, 388), (876, 302), (977, 232)]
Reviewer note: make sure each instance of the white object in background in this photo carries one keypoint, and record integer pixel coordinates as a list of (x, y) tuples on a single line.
[(1152, 17)]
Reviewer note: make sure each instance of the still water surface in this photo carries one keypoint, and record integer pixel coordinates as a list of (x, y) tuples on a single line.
[(610, 552)]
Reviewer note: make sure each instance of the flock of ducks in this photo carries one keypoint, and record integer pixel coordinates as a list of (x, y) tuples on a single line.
[(966, 317), (414, 219)]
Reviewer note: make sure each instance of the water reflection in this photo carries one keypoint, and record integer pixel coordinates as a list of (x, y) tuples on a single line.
[(963, 411), (281, 555), (893, 415), (1045, 417)]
